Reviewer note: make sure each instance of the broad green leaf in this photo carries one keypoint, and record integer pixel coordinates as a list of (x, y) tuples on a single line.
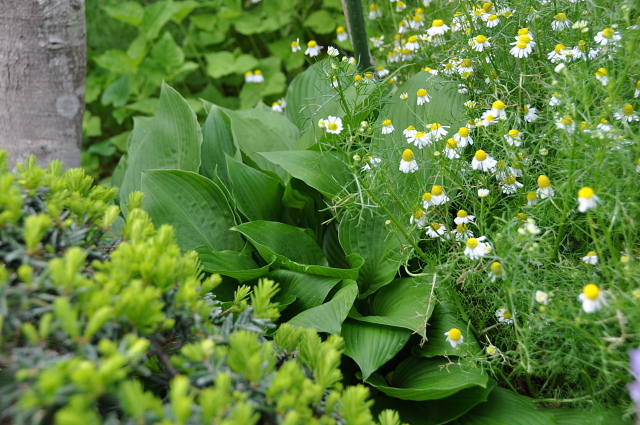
[(167, 52), (443, 318), (117, 94), (403, 303), (172, 141), (588, 415), (310, 290), (273, 239), (217, 142), (258, 196), (220, 64), (234, 264), (117, 61), (371, 345), (272, 121), (329, 316), (156, 16), (321, 22), (311, 97), (194, 205), (183, 8), (435, 412), (367, 234), (506, 408), (249, 23), (130, 12), (244, 63), (430, 379), (322, 171), (332, 248)]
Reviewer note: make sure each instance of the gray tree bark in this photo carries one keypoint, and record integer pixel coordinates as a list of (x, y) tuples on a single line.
[(42, 79)]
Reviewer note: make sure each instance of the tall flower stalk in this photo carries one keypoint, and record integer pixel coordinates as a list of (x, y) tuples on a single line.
[(354, 14)]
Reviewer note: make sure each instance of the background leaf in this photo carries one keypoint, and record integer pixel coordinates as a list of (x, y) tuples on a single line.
[(257, 195), (217, 142), (310, 290)]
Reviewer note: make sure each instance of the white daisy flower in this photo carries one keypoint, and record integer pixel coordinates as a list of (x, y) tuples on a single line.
[(591, 258), (475, 248), (408, 163), (454, 337), (593, 299), (587, 199), (483, 162)]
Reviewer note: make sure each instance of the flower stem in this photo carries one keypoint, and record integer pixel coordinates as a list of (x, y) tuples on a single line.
[(355, 21)]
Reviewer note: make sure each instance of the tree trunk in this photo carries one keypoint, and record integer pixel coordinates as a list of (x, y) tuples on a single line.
[(42, 79)]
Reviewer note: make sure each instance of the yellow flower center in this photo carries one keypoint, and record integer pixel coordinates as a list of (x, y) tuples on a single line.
[(531, 196), (357, 78), (481, 39), (373, 7), (427, 196), (586, 193), (561, 17), (462, 228), (543, 182), (452, 143), (608, 32), (413, 39), (568, 120), (462, 214), (481, 155), (493, 17), (340, 30), (248, 74), (510, 180), (498, 104), (496, 268), (591, 291), (487, 7), (506, 314), (466, 63), (417, 18), (514, 133), (521, 217), (602, 72), (436, 226), (312, 44), (411, 128), (472, 243), (419, 214), (408, 155), (437, 190), (420, 134), (463, 132), (333, 126), (438, 23), (628, 109), (560, 48), (422, 93), (490, 118), (386, 122), (455, 334), (523, 31)]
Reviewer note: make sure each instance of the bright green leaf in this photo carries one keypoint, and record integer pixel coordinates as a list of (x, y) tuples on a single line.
[(322, 171), (368, 235), (172, 141), (329, 316), (310, 290), (220, 64), (117, 61), (194, 205), (321, 22), (371, 345), (129, 11), (430, 379), (167, 52), (258, 196), (117, 94), (230, 263), (506, 408), (217, 141), (156, 16)]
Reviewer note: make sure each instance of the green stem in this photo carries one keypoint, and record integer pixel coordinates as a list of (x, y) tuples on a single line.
[(355, 21)]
